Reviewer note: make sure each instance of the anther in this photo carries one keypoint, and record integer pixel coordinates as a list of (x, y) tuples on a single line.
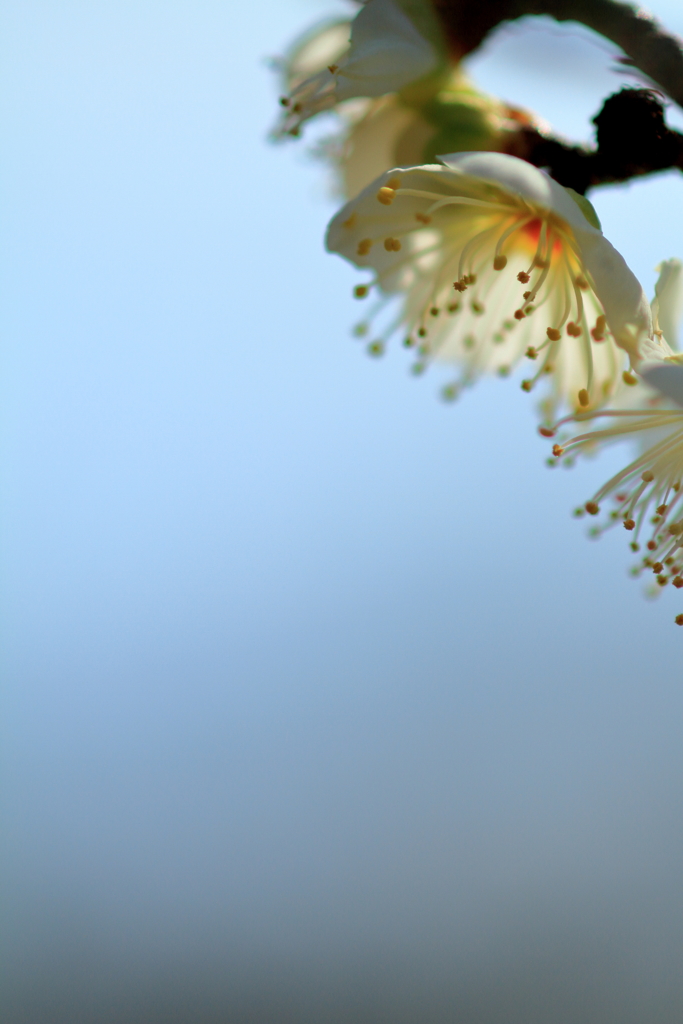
[(526, 295), (598, 332), (285, 101), (422, 218), (392, 244), (453, 307), (460, 286), (647, 476), (652, 545), (634, 546), (375, 348), (297, 108), (476, 307), (584, 398), (350, 222), (662, 580), (573, 330), (470, 278), (657, 567), (629, 524), (360, 291), (434, 311), (531, 353), (422, 331), (661, 509), (409, 342), (679, 620), (546, 432), (592, 508), (523, 277), (394, 183), (500, 262), (558, 450), (582, 283), (364, 246), (332, 68), (553, 333), (629, 378), (677, 581), (386, 195), (519, 314), (527, 385)]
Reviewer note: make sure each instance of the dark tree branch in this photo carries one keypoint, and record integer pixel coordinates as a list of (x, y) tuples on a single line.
[(632, 136)]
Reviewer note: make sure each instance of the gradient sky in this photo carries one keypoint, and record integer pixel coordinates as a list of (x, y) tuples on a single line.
[(318, 704)]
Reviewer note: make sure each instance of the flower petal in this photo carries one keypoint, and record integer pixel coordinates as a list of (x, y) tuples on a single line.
[(667, 378)]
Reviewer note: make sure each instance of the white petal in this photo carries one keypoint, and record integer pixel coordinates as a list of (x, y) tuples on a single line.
[(667, 306), (387, 52), (523, 179), (667, 378)]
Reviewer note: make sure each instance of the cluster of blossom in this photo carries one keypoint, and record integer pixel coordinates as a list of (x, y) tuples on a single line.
[(479, 260)]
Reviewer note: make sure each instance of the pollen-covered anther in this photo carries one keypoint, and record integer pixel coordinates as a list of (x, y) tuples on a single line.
[(657, 567), (573, 330), (584, 398), (460, 286), (558, 450), (422, 332), (375, 348), (434, 311), (629, 378), (523, 277), (527, 385), (285, 101), (662, 580), (470, 278), (647, 476), (629, 524), (500, 262), (546, 432), (519, 314), (676, 529), (651, 545), (582, 283), (592, 508), (598, 332), (531, 353), (423, 218), (360, 291), (677, 581), (679, 620), (392, 244), (364, 246), (553, 333), (662, 509), (297, 108), (386, 195)]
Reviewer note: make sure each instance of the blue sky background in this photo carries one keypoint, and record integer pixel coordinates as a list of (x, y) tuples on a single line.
[(318, 704)]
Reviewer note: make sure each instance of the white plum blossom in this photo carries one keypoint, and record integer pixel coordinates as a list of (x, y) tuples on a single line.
[(647, 494), (489, 261), (381, 51)]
